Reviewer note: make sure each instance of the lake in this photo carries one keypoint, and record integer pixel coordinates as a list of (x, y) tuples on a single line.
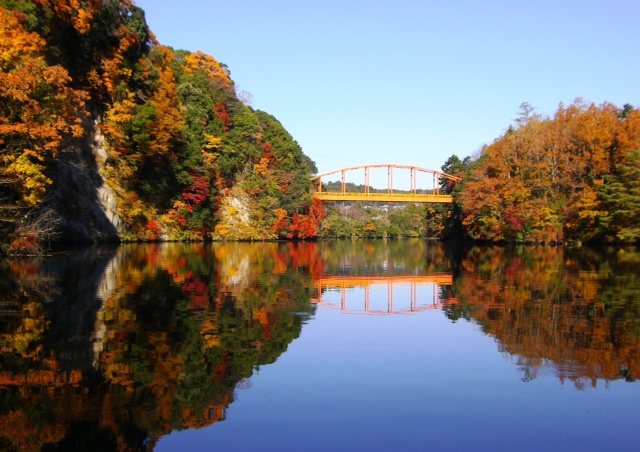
[(330, 345)]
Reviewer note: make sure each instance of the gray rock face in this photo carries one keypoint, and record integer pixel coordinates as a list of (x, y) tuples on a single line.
[(82, 203)]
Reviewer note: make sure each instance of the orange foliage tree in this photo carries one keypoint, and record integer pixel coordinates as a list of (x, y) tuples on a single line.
[(539, 182), (79, 13), (38, 111)]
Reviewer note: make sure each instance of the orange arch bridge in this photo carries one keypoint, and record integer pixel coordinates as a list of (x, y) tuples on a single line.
[(412, 195), (346, 283)]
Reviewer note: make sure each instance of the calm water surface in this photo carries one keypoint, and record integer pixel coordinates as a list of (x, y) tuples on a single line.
[(338, 345)]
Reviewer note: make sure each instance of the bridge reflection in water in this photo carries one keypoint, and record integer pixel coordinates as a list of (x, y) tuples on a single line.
[(396, 285)]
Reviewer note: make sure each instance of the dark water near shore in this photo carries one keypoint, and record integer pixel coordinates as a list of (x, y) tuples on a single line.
[(335, 345)]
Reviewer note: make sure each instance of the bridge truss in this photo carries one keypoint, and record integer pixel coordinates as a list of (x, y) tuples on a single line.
[(389, 196)]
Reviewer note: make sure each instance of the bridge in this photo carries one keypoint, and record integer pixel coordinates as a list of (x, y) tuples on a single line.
[(415, 304), (412, 195)]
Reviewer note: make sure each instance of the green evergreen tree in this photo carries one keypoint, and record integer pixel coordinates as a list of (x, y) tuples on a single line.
[(620, 195)]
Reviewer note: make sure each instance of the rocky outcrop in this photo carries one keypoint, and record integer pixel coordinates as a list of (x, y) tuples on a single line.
[(83, 204), (235, 218)]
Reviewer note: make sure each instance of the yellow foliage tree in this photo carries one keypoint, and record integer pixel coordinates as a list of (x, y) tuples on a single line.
[(209, 148), (169, 121), (201, 61)]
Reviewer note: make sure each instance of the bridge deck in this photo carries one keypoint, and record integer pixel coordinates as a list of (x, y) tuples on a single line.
[(383, 197)]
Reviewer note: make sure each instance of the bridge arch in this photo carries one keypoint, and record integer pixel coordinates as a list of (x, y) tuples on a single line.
[(389, 196)]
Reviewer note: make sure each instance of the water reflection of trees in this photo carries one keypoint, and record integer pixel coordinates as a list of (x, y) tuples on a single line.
[(111, 349), (573, 313), (388, 257)]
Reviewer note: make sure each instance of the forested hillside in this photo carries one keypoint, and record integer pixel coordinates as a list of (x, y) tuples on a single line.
[(105, 134), (572, 177)]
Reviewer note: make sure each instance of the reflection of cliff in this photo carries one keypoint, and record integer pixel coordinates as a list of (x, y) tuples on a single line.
[(48, 308), (174, 331), (572, 313)]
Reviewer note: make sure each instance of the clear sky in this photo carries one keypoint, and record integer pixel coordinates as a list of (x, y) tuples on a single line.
[(409, 81)]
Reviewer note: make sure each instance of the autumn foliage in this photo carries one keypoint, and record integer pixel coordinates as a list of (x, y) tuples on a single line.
[(550, 179), (164, 132), (38, 110), (177, 138)]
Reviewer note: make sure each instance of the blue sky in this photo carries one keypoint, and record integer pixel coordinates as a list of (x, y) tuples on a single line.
[(407, 81)]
